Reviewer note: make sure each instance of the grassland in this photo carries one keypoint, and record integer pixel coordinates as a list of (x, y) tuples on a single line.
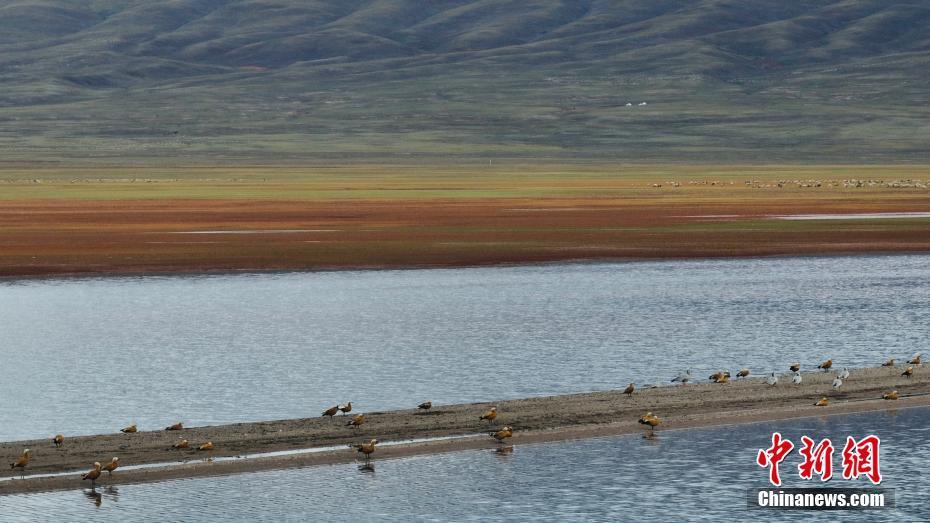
[(146, 220)]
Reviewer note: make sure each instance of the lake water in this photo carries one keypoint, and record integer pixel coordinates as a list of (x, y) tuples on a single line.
[(698, 474), (84, 356)]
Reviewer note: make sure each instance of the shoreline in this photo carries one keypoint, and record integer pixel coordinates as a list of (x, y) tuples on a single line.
[(535, 420), (200, 272)]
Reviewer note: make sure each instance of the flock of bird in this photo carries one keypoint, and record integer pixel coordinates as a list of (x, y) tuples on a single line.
[(651, 420), (357, 420), (367, 449), (94, 473)]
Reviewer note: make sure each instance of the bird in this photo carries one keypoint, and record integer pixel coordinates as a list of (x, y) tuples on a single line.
[(908, 372), (206, 446), (130, 429), (795, 367), (715, 376), (176, 426), (889, 363), (742, 373), (629, 389), (58, 440), (357, 421), (822, 402), (893, 395), (915, 360), (183, 444), (490, 415), (92, 475), (772, 380), (796, 379), (111, 466), (345, 409), (844, 375), (502, 434), (331, 411), (837, 382), (826, 365), (426, 405), (650, 419), (724, 378), (366, 448), (22, 461), (684, 377)]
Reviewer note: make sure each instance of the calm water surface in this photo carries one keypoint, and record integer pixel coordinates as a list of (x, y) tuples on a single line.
[(87, 356), (679, 476)]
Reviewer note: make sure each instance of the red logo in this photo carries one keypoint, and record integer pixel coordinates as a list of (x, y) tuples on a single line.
[(774, 455), (859, 458), (816, 459), (862, 459)]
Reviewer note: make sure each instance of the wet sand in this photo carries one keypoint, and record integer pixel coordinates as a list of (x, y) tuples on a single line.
[(534, 420)]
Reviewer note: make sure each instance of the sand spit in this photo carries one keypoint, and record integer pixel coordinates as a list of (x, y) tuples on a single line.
[(534, 420)]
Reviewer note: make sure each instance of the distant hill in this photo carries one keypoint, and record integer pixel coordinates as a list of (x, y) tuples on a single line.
[(295, 80)]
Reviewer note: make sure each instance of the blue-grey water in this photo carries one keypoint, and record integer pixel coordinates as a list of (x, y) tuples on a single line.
[(84, 356), (690, 475)]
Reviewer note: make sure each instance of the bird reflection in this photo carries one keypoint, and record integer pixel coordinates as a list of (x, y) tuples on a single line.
[(367, 467), (504, 451), (112, 492), (95, 497)]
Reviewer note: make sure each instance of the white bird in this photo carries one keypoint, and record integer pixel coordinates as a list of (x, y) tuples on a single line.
[(837, 382), (772, 380), (845, 374), (796, 379), (684, 377)]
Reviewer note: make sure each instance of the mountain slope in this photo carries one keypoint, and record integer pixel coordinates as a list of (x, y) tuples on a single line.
[(289, 80)]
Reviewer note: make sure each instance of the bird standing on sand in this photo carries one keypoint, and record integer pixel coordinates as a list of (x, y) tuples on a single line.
[(684, 377), (889, 363), (490, 415), (651, 420), (826, 365), (915, 360), (366, 448), (357, 421), (425, 406), (724, 378), (183, 444), (58, 440), (743, 373), (502, 434), (629, 389), (822, 402), (893, 395), (132, 429), (844, 375), (772, 380), (206, 446), (908, 372), (796, 379), (837, 382), (92, 475), (176, 426), (111, 466), (22, 461), (795, 367), (332, 411), (345, 409)]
